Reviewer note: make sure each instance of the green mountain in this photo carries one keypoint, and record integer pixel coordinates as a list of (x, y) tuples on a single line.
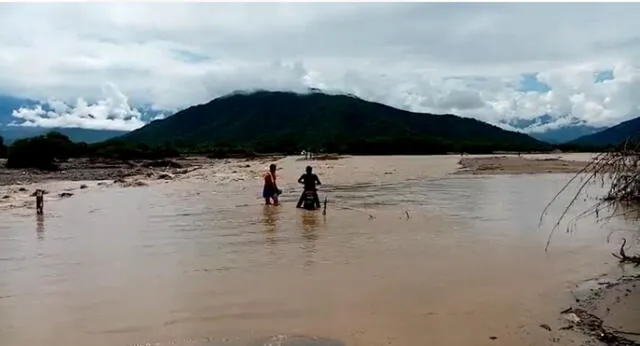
[(289, 122), (629, 129)]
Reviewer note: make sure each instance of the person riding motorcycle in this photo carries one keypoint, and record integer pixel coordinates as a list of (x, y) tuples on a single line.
[(310, 180)]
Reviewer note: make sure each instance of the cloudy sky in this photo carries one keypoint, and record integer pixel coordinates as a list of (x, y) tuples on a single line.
[(493, 62)]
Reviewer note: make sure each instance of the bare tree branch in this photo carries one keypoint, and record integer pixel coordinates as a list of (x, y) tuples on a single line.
[(619, 170)]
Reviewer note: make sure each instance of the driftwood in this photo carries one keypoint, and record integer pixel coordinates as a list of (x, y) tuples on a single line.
[(624, 258)]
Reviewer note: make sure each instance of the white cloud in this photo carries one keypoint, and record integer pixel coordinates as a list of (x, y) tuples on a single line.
[(112, 113), (466, 59)]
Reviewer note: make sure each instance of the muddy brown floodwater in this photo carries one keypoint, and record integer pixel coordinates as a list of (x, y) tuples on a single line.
[(406, 255)]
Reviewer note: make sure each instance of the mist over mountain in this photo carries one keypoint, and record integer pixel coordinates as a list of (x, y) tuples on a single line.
[(555, 130)]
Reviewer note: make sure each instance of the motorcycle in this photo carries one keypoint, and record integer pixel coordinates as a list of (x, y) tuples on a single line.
[(309, 200)]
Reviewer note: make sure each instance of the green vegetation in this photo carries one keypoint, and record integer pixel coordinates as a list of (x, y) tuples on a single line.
[(46, 151), (3, 148), (289, 123), (116, 149), (243, 125), (41, 152)]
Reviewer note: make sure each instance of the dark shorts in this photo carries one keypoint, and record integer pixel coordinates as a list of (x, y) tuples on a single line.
[(269, 192)]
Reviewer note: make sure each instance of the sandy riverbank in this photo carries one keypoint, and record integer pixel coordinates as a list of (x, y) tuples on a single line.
[(103, 169), (605, 310), (16, 186), (82, 175), (106, 169), (524, 164)]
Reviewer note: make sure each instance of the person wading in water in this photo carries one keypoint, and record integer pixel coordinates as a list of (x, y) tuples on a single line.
[(309, 179), (270, 189)]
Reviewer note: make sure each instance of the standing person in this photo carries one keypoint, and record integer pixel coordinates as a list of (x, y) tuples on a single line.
[(270, 189), (309, 179)]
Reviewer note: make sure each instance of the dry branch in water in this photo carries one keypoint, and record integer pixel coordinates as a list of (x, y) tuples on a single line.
[(620, 171), (624, 258)]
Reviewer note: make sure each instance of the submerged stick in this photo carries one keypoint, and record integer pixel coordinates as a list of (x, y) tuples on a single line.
[(324, 209), (371, 217)]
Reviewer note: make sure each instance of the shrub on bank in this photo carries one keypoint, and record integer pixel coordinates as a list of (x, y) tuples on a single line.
[(229, 152), (44, 152), (3, 148), (132, 151), (36, 152)]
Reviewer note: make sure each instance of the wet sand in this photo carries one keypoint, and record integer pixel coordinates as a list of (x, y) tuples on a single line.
[(97, 169), (619, 308), (18, 185), (408, 254), (524, 164), (607, 310)]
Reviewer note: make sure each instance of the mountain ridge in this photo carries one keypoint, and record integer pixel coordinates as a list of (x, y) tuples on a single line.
[(617, 134), (277, 120)]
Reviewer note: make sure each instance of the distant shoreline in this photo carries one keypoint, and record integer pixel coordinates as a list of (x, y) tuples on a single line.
[(98, 169), (520, 164)]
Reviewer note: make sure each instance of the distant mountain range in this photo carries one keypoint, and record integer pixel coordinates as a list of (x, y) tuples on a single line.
[(614, 135), (12, 133), (565, 134), (574, 129), (286, 121)]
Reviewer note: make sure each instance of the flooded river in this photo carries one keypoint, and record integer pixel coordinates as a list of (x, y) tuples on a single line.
[(406, 255)]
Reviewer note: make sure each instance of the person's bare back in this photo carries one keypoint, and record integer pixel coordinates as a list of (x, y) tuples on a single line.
[(270, 190)]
